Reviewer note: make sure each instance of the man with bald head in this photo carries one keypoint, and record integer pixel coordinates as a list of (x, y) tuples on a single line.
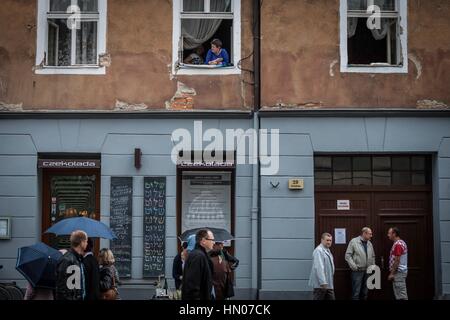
[(360, 255)]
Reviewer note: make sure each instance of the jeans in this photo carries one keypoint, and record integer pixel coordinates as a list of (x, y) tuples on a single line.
[(359, 285)]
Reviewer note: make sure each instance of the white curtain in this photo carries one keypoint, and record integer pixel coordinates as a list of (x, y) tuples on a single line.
[(195, 32), (378, 34), (352, 24), (381, 33)]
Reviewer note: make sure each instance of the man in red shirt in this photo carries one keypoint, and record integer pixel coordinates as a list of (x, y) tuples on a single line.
[(398, 264)]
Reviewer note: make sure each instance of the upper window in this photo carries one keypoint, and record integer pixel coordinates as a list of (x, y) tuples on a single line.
[(373, 36), (71, 36), (366, 170), (206, 36)]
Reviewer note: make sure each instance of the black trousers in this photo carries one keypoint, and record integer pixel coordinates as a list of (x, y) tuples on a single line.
[(323, 294)]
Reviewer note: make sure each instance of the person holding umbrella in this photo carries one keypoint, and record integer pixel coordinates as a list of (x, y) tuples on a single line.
[(37, 264), (70, 272), (92, 273), (224, 264)]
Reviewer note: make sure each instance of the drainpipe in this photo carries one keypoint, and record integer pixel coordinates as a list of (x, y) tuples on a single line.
[(255, 213)]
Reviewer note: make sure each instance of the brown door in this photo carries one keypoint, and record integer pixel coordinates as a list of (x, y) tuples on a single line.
[(68, 193), (407, 208), (411, 213)]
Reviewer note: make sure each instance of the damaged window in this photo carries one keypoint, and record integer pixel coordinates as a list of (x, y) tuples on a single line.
[(201, 22), (72, 33), (374, 36), (373, 33)]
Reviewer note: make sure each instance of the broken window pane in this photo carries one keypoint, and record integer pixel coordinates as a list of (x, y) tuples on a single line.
[(220, 6), (87, 43), (59, 5), (88, 5), (59, 43), (193, 5), (373, 46), (357, 4)]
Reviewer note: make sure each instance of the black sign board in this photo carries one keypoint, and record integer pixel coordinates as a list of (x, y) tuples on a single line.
[(154, 226), (120, 223), (68, 164)]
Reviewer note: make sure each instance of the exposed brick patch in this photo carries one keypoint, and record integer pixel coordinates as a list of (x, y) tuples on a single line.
[(183, 98)]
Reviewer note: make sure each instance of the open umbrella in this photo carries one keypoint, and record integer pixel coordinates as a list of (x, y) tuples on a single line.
[(220, 235), (37, 263), (93, 228)]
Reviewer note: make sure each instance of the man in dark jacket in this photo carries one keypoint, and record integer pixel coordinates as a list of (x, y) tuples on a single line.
[(70, 271), (92, 273), (198, 269)]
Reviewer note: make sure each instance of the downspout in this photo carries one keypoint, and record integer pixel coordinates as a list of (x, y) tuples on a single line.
[(256, 212)]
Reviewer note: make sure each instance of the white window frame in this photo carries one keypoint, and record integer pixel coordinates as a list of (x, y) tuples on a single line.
[(236, 50), (402, 7), (42, 41)]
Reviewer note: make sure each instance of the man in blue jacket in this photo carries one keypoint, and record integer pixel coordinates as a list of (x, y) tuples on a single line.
[(217, 55)]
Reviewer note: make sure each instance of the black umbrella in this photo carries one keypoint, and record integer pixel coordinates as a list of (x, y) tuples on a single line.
[(37, 264), (220, 235)]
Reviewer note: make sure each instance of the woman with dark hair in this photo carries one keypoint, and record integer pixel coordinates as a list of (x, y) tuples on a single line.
[(92, 273)]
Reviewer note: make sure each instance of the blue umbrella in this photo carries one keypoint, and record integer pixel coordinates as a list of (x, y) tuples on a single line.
[(93, 228), (37, 264)]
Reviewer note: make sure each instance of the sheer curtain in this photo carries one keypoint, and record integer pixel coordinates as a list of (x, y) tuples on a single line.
[(197, 31), (352, 24)]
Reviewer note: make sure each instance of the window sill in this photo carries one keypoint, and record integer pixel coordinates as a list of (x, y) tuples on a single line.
[(374, 69), (183, 70), (85, 70)]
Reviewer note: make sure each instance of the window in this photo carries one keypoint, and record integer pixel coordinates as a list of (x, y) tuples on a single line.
[(372, 170), (373, 36), (198, 22), (71, 36)]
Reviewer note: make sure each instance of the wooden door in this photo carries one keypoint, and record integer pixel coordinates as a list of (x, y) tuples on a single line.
[(408, 209)]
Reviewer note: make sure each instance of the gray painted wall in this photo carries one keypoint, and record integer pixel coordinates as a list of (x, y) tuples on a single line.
[(288, 216), (115, 140)]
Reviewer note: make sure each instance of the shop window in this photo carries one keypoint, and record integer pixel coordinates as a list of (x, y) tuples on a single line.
[(206, 200), (71, 36), (196, 24), (373, 36)]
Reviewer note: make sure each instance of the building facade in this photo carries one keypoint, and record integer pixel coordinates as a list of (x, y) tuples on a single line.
[(90, 118)]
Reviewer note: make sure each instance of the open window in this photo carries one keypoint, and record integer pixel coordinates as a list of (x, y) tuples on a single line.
[(196, 24), (71, 35), (373, 36)]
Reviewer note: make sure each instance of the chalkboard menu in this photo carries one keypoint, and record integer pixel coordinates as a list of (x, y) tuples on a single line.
[(120, 223), (154, 226)]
